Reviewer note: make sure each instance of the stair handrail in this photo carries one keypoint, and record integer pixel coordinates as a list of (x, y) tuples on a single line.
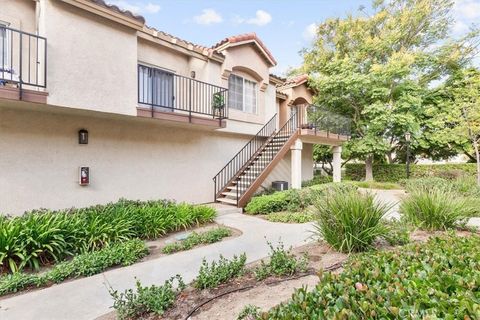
[(290, 127), (228, 173)]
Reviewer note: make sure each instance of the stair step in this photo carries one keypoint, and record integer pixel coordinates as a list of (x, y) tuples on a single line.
[(231, 194), (227, 200)]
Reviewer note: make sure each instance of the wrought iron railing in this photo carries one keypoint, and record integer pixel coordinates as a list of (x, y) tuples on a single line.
[(231, 170), (161, 90), (23, 58), (268, 153), (322, 119)]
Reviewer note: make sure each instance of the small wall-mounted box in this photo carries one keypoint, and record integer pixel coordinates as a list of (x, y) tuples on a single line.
[(84, 176)]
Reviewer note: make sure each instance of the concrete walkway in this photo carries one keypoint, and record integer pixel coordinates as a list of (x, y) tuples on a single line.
[(88, 298)]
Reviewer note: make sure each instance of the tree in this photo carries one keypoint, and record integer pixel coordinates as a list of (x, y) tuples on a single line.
[(376, 69), (465, 90)]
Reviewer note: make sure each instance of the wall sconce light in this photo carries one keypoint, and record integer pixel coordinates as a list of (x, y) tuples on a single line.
[(192, 74), (83, 136)]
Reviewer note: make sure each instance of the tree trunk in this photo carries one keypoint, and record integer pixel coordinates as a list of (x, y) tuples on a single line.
[(369, 168), (477, 154)]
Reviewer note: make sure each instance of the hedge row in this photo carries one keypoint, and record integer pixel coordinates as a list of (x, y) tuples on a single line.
[(397, 172)]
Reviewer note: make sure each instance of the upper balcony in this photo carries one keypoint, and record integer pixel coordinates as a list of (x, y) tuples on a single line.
[(322, 126), (23, 65), (168, 96)]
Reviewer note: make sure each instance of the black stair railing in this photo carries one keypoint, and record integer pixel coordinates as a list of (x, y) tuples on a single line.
[(231, 170), (268, 153)]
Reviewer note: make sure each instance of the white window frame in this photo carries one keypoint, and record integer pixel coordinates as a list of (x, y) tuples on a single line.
[(255, 107), (6, 53)]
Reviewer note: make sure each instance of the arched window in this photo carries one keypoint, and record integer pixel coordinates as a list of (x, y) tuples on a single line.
[(242, 94)]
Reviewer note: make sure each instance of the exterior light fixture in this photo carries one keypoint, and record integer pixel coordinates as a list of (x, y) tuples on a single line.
[(83, 136), (192, 74), (407, 136)]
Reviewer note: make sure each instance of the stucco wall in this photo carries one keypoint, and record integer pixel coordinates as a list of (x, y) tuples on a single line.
[(20, 14), (134, 159), (92, 62)]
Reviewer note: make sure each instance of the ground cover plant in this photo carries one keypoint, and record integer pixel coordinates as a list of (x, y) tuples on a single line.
[(43, 237), (195, 239), (281, 262), (350, 221), (291, 200), (217, 272), (132, 304), (438, 279), (375, 185), (290, 217), (85, 264)]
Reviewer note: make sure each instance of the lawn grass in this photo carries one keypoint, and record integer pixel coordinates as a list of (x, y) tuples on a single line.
[(376, 185)]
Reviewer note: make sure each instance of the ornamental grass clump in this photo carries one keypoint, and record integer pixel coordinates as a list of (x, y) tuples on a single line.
[(436, 209), (350, 221), (195, 239)]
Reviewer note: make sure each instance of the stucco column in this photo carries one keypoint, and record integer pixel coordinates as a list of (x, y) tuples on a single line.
[(296, 165), (337, 163)]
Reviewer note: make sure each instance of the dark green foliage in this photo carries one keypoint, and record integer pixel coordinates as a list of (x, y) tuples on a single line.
[(195, 239), (350, 221), (42, 236), (397, 172), (281, 263), (85, 264), (435, 280), (291, 200), (218, 272), (436, 209), (132, 304), (317, 179)]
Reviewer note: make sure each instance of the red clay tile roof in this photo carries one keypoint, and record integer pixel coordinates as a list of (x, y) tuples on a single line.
[(118, 10), (247, 37), (296, 79)]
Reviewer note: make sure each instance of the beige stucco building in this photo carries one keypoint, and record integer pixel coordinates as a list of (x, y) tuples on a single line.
[(165, 118)]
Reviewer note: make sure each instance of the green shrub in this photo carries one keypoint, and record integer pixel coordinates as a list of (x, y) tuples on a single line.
[(350, 221), (211, 275), (436, 209), (280, 263), (398, 172), (291, 200), (464, 186), (434, 280), (86, 264), (398, 232), (132, 304), (375, 185), (195, 239), (317, 179), (249, 312), (42, 237), (290, 217)]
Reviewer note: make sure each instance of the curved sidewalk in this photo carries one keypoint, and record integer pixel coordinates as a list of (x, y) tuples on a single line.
[(88, 298)]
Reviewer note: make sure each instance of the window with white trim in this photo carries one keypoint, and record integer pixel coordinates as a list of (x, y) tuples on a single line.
[(4, 45), (242, 94)]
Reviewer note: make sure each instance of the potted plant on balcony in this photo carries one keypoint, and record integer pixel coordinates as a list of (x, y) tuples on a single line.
[(218, 103)]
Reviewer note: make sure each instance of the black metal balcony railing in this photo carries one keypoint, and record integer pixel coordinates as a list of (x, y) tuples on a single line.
[(322, 119), (23, 58), (164, 91)]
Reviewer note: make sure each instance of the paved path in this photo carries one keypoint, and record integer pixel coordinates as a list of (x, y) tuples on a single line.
[(88, 298)]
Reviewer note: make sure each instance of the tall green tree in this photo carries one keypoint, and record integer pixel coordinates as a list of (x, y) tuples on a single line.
[(377, 69)]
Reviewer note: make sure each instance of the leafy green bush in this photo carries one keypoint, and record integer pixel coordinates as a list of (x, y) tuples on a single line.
[(280, 263), (132, 304), (317, 179), (398, 172), (436, 209), (434, 280), (350, 221), (195, 239), (42, 237), (290, 217), (86, 264), (291, 200), (211, 275), (249, 312)]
